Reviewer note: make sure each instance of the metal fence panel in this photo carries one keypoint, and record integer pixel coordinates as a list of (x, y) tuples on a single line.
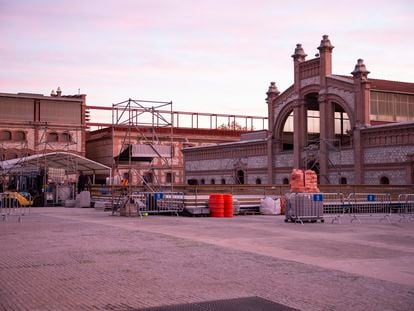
[(158, 202), (406, 207), (369, 204), (304, 207), (334, 206), (10, 206)]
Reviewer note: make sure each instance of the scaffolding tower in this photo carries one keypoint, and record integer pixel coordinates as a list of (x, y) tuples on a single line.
[(313, 155), (141, 148)]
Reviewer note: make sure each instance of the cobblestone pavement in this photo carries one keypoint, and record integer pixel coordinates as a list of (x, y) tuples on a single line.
[(82, 259)]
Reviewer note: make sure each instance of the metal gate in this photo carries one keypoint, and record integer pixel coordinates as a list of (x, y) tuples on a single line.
[(158, 202)]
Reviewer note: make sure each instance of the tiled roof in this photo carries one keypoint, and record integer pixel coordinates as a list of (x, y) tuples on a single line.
[(386, 85), (395, 86)]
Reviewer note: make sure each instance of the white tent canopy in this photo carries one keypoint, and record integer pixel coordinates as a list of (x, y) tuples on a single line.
[(71, 163)]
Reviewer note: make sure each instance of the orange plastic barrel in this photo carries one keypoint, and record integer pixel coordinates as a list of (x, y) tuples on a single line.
[(228, 205), (216, 205)]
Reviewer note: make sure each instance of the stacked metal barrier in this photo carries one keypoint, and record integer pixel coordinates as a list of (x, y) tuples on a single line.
[(304, 207), (406, 207), (10, 207), (369, 205), (158, 202)]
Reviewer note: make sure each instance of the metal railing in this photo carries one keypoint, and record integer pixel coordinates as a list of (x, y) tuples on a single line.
[(11, 207), (369, 205), (406, 207), (158, 202), (334, 206)]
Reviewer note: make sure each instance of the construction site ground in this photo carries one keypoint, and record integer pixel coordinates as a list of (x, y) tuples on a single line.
[(82, 259)]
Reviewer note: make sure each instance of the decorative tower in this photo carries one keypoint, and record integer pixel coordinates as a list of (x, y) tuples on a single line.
[(362, 102), (299, 111), (272, 93), (299, 56), (362, 94), (325, 52)]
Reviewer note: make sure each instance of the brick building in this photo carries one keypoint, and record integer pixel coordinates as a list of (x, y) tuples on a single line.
[(104, 146), (349, 129), (34, 123)]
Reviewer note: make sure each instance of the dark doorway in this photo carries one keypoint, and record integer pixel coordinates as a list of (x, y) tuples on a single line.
[(343, 181), (240, 177), (192, 182), (384, 180)]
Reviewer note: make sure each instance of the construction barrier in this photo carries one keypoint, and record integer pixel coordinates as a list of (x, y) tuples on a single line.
[(10, 206), (158, 202), (369, 205), (406, 207), (304, 207), (334, 206)]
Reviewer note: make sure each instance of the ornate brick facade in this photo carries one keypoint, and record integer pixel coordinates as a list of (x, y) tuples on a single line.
[(325, 122), (34, 123)]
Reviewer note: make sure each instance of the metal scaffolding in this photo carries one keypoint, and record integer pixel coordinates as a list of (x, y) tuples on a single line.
[(142, 153), (313, 154)]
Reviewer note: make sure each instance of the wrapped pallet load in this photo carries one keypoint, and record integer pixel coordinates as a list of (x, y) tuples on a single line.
[(311, 181), (297, 181), (270, 206), (303, 181)]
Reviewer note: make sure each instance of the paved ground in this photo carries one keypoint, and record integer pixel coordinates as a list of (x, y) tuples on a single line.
[(82, 259)]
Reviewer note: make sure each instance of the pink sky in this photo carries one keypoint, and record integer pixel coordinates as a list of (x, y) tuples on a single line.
[(207, 56)]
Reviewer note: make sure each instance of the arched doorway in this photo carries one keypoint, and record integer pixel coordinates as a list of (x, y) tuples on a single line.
[(343, 181), (384, 180), (240, 177)]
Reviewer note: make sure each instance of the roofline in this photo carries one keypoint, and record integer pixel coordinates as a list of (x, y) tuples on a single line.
[(72, 98), (212, 146)]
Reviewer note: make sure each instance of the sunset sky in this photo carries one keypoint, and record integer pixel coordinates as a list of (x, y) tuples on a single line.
[(205, 56)]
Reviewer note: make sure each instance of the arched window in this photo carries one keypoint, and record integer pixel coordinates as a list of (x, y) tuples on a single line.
[(213, 181), (192, 182), (65, 137), (148, 178), (285, 181), (384, 180), (202, 181), (168, 178), (240, 177), (223, 181), (343, 181), (258, 181), (52, 137), (5, 135), (20, 136), (287, 133), (342, 126)]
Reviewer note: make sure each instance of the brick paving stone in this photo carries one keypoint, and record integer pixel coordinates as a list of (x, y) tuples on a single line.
[(82, 259)]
